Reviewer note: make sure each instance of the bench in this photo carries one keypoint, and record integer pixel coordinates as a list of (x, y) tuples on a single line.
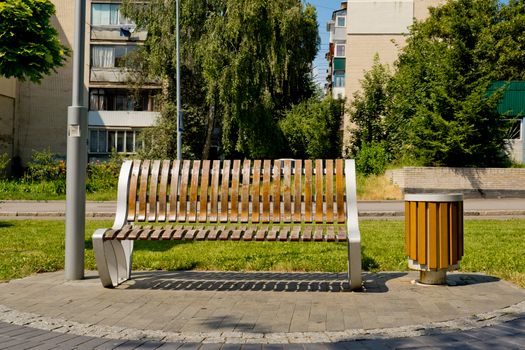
[(250, 200)]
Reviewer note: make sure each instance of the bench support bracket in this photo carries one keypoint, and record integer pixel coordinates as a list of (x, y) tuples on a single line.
[(113, 259)]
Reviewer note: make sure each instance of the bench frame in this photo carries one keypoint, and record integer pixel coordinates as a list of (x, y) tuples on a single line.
[(114, 256)]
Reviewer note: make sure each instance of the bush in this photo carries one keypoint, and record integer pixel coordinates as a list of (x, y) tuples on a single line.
[(103, 175), (371, 159), (46, 166), (4, 161)]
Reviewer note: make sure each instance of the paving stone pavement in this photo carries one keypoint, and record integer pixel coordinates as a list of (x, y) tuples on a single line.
[(230, 310)]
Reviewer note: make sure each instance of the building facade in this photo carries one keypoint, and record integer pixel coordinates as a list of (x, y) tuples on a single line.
[(33, 117), (336, 55)]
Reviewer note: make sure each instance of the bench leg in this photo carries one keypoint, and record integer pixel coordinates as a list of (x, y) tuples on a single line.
[(113, 259), (354, 265)]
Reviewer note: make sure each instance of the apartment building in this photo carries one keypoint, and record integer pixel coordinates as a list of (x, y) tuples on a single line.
[(336, 55), (33, 117)]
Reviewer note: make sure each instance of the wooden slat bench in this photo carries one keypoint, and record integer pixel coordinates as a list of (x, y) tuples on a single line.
[(250, 200)]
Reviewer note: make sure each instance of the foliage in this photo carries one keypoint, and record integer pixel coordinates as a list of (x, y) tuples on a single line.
[(243, 63), (45, 166), (494, 247), (311, 128), (4, 162), (29, 45), (371, 159), (369, 106), (441, 113), (103, 176)]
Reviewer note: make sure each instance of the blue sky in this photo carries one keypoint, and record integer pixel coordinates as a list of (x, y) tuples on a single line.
[(324, 14)]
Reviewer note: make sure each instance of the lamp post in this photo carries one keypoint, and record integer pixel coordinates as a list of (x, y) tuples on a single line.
[(76, 156), (179, 112)]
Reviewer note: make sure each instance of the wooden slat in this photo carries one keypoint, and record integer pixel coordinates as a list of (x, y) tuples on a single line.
[(319, 190), (460, 231), (284, 232), (318, 234), (191, 233), (276, 191), (133, 189), (453, 232), (183, 191), (237, 233), (308, 190), (179, 233), (234, 212), (123, 234), (297, 194), (156, 234), (143, 192), (272, 233), (342, 235), (260, 235), (307, 233), (245, 192), (168, 231), (413, 230), (135, 233), (163, 190), (443, 235), (330, 234), (204, 184), (225, 186), (407, 228), (433, 247), (153, 189), (267, 169), (421, 231), (174, 190), (296, 233), (248, 234), (329, 191), (214, 233), (214, 197), (287, 191), (194, 190), (146, 234), (340, 190), (256, 190), (225, 234), (203, 232)]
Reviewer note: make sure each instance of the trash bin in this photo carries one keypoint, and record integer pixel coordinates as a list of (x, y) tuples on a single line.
[(434, 234)]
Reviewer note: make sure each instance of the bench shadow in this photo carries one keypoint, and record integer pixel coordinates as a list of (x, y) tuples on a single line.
[(466, 279), (239, 281), (5, 224)]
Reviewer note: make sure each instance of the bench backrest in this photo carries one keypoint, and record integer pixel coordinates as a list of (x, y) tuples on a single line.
[(257, 191)]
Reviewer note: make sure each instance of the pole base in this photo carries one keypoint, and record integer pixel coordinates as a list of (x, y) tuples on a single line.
[(433, 277)]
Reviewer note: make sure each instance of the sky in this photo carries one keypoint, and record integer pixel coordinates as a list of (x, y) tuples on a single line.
[(324, 14)]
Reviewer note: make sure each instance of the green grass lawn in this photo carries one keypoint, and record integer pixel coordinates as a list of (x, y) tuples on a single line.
[(494, 247)]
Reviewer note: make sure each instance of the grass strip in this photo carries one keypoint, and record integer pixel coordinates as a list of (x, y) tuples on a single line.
[(494, 247)]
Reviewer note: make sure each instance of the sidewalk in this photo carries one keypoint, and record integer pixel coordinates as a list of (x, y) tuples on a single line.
[(513, 207), (228, 310)]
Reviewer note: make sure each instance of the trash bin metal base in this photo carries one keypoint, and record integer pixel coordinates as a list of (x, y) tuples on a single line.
[(433, 277)]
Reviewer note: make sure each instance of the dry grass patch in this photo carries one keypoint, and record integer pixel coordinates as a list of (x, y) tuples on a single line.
[(377, 187)]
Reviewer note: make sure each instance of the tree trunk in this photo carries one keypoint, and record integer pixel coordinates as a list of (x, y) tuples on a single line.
[(209, 131)]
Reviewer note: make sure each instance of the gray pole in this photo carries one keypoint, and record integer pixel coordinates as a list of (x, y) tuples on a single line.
[(76, 156), (179, 112)]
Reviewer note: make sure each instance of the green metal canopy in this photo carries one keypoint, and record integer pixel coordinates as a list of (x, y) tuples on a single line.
[(513, 100)]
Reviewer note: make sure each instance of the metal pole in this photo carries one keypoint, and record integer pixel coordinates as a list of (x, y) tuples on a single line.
[(76, 156), (179, 112)]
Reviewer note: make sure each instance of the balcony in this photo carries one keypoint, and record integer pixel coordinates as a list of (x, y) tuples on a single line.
[(122, 119), (118, 32)]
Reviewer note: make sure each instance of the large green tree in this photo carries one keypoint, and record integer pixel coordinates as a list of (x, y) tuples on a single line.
[(29, 45), (441, 113), (244, 63)]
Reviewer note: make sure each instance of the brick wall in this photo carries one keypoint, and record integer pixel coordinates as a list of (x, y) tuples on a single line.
[(472, 182)]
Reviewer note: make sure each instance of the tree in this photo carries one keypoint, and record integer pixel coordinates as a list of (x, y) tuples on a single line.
[(244, 61), (441, 113), (29, 45), (369, 106), (312, 128)]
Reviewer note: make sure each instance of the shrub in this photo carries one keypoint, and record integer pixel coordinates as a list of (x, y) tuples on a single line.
[(371, 159), (4, 161), (103, 175), (46, 166)]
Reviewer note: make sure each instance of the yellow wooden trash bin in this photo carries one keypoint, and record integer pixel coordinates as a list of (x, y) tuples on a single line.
[(434, 234)]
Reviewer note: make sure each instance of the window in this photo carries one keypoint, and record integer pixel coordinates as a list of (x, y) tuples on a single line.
[(340, 50), (340, 21), (339, 80), (513, 127), (122, 100), (107, 15), (107, 56), (106, 141)]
